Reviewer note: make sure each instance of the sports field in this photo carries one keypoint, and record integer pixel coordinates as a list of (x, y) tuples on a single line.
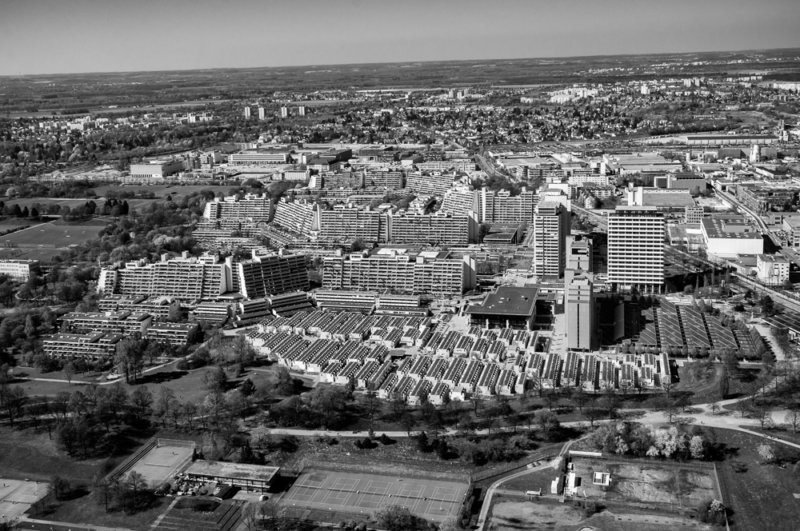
[(365, 494), (17, 496), (53, 235), (161, 463)]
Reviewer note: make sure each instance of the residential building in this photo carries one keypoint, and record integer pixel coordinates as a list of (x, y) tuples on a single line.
[(19, 270), (502, 207), (272, 274), (251, 207), (426, 272), (551, 225), (636, 248), (772, 269), (580, 313), (186, 278), (434, 229)]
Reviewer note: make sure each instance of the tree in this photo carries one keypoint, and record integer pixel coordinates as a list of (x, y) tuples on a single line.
[(667, 406), (766, 452), (69, 371), (793, 418), (397, 518), (12, 400), (165, 403), (61, 488), (141, 401), (767, 305), (215, 380), (548, 423), (593, 414)]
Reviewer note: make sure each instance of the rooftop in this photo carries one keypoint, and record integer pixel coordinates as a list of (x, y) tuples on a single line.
[(718, 228), (508, 300), (232, 470)]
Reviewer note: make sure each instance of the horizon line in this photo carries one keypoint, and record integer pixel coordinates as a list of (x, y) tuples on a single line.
[(428, 61)]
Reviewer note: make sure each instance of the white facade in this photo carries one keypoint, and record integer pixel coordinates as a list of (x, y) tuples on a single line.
[(636, 247), (772, 269)]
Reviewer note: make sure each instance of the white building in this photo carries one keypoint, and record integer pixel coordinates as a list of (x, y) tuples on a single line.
[(727, 238), (772, 269), (636, 248)]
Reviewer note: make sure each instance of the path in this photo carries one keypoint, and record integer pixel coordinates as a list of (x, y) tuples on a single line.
[(494, 487), (52, 525)]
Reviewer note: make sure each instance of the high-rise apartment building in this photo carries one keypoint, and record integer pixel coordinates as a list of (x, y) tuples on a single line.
[(261, 113), (247, 112), (284, 111), (190, 278), (187, 278), (551, 224), (271, 275), (346, 224), (502, 207), (460, 201), (636, 248), (434, 229), (251, 207)]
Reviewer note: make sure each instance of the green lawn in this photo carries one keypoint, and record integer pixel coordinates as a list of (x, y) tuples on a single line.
[(26, 454), (760, 495)]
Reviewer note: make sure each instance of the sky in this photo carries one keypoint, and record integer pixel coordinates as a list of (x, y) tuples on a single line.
[(68, 36)]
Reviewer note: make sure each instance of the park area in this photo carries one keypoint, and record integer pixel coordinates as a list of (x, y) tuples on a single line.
[(329, 495)]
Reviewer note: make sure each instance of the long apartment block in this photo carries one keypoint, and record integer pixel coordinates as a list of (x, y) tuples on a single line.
[(205, 277), (402, 273), (250, 207)]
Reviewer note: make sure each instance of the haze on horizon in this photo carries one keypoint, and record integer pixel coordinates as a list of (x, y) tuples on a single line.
[(73, 36)]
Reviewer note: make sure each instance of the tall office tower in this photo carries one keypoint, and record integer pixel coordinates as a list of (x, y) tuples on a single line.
[(261, 113), (636, 248), (247, 112), (284, 111), (580, 313), (550, 227), (301, 110)]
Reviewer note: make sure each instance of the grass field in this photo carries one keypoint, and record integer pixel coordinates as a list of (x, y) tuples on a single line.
[(30, 455), (364, 494), (761, 496), (54, 235)]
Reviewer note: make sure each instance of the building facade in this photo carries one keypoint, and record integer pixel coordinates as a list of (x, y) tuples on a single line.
[(636, 248)]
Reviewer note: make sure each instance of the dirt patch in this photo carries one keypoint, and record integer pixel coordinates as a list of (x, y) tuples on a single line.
[(515, 516)]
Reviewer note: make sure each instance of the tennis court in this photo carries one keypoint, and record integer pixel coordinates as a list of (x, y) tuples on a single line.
[(366, 494), (17, 496), (161, 463)]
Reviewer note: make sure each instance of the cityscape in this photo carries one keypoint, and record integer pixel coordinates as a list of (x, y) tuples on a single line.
[(438, 290)]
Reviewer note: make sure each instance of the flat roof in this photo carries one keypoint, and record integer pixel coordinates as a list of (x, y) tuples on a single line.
[(667, 199), (715, 228), (508, 300), (232, 470)]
